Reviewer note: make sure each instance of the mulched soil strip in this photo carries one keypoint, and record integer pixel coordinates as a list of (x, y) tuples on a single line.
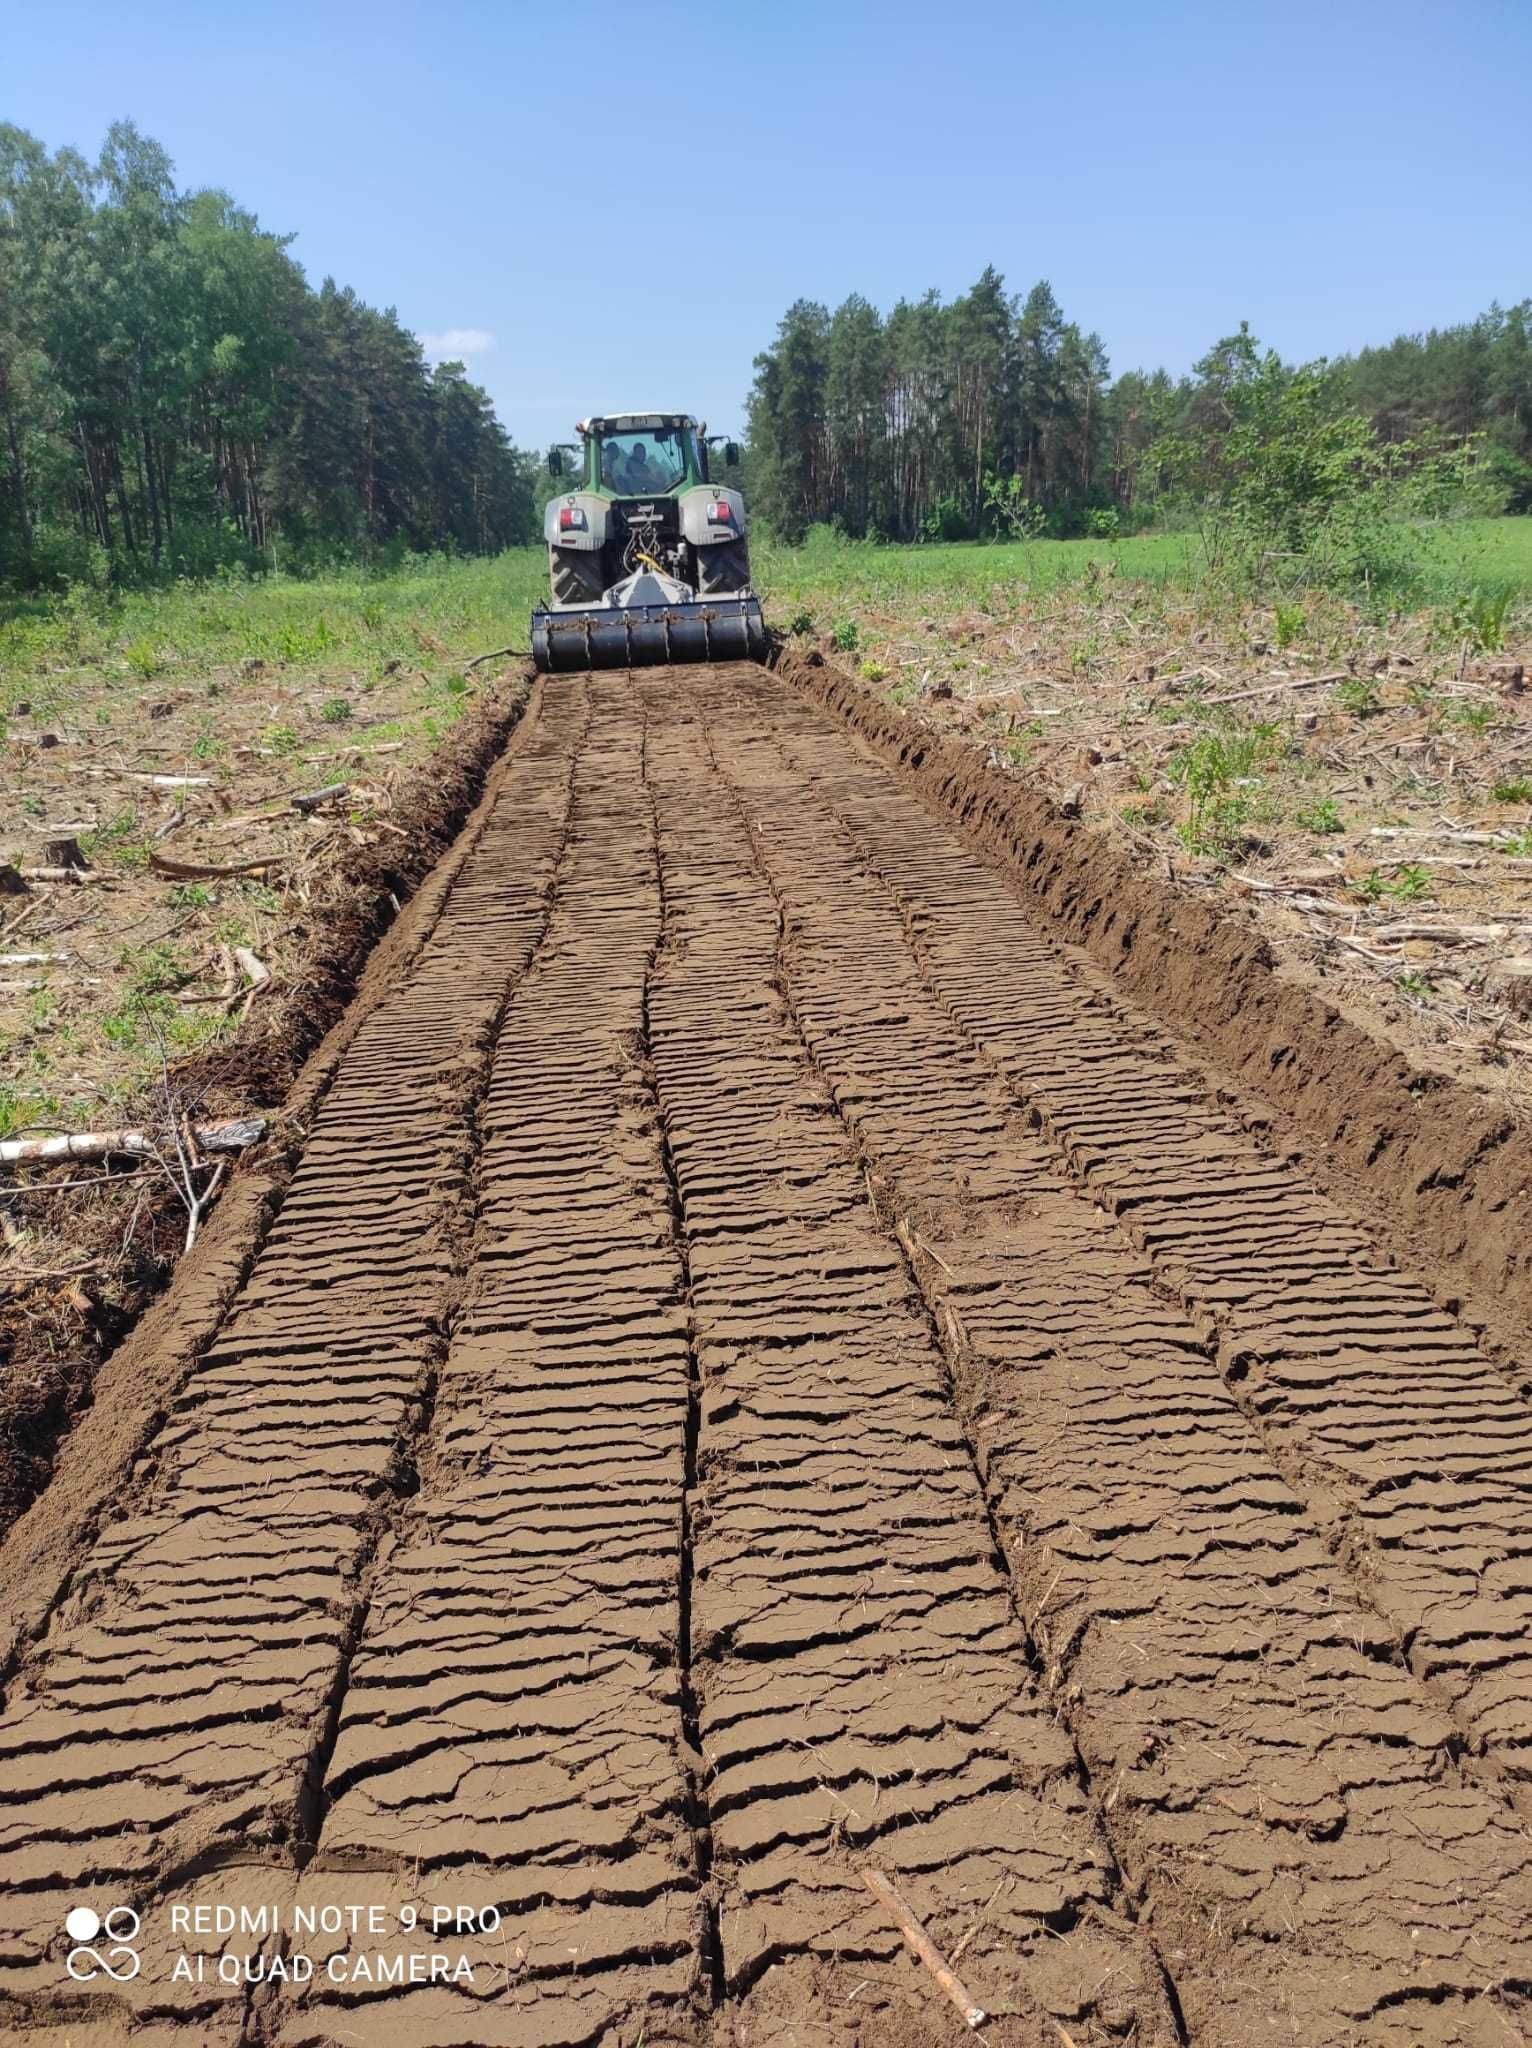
[(1444, 1170), (761, 1372)]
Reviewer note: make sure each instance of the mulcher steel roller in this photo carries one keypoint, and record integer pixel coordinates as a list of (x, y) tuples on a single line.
[(647, 556), (640, 636)]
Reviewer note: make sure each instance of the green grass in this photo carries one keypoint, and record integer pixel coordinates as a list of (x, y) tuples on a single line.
[(1460, 562), (353, 621), (810, 585), (439, 607)]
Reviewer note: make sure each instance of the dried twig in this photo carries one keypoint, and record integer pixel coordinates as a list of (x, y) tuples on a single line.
[(256, 972), (1276, 689), (313, 798), (209, 871), (494, 654), (233, 1135), (922, 1947)]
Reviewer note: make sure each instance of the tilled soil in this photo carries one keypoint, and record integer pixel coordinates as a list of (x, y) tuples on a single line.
[(762, 1372)]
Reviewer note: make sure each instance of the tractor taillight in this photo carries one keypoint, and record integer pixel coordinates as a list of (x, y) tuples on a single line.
[(570, 516), (721, 515)]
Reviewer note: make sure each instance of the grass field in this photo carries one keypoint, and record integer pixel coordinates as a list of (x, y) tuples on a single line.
[(1456, 560), (53, 651)]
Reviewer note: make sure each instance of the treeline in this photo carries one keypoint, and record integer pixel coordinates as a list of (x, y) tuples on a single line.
[(175, 398), (995, 414)]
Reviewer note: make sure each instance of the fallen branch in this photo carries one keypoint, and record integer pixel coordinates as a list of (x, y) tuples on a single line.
[(256, 972), (232, 1136), (495, 653), (1452, 838), (211, 871), (315, 798), (33, 959), (77, 875), (922, 1947), (1300, 898), (1447, 934), (1276, 689)]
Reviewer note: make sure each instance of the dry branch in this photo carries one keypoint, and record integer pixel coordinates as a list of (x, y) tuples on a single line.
[(1447, 934), (494, 654), (209, 871), (231, 1136), (1450, 837), (922, 1947), (1276, 689), (316, 797)]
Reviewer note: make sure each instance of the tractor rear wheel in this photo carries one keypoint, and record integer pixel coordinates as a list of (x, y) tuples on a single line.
[(576, 575), (722, 568)]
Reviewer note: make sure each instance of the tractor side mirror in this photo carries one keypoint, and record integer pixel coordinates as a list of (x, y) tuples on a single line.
[(731, 454), (555, 462)]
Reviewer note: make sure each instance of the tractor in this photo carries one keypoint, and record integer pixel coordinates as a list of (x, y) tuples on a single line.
[(647, 556)]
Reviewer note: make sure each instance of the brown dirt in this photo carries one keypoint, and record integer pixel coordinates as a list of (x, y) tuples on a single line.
[(765, 1365)]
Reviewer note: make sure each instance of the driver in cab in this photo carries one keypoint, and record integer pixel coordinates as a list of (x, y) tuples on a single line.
[(639, 476)]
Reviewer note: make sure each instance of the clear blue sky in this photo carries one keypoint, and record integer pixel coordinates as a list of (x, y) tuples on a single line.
[(615, 204)]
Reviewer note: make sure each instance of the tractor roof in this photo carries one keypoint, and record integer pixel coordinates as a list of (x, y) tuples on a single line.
[(633, 422)]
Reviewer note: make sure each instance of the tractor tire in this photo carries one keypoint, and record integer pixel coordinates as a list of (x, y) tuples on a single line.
[(576, 575), (722, 568)]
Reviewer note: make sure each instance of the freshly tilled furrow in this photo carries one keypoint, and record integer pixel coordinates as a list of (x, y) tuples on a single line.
[(864, 1695), (766, 1373), (1267, 1765), (175, 1716), (1407, 1444)]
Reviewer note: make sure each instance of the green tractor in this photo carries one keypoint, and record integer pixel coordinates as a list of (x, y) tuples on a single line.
[(646, 555)]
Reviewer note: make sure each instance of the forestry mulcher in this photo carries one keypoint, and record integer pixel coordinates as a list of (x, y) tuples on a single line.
[(646, 555)]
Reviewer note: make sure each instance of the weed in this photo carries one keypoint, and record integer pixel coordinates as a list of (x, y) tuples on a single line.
[(1211, 770), (800, 624), (282, 739), (846, 636), (142, 657), (1408, 886), (1321, 818), (1484, 618), (338, 710), (151, 969), (24, 1111), (115, 845), (1416, 987), (1290, 620), (873, 672), (189, 896), (1478, 718), (1360, 697), (1518, 790)]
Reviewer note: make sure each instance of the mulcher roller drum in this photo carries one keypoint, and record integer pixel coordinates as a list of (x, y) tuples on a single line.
[(644, 636), (647, 556)]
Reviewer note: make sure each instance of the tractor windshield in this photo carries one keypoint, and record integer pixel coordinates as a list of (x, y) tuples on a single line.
[(641, 465)]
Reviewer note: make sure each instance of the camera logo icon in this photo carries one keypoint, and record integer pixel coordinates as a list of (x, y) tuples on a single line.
[(119, 1925)]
